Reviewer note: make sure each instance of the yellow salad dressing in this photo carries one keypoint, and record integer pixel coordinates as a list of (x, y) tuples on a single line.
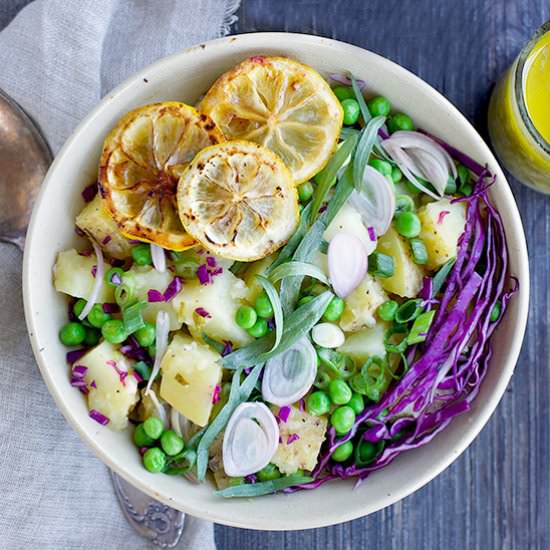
[(519, 114)]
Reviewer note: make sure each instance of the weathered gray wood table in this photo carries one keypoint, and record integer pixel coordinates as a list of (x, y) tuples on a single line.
[(497, 494)]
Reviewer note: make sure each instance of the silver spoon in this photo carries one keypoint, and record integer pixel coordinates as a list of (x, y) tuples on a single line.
[(24, 161)]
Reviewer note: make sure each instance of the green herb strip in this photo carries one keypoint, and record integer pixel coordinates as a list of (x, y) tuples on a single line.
[(361, 100), (264, 487), (330, 174), (237, 395), (369, 136), (271, 292), (296, 268)]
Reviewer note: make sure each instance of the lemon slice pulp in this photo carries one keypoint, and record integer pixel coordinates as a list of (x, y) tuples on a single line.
[(142, 160), (238, 200), (282, 104)]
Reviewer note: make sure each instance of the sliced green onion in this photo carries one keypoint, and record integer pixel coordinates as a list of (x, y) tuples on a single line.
[(372, 380), (360, 99), (132, 318), (114, 272), (341, 365), (297, 324), (237, 395), (293, 268), (263, 487), (408, 311), (124, 295), (419, 251), (277, 308), (390, 344), (404, 203), (420, 328), (330, 174), (381, 265), (181, 464), (441, 276)]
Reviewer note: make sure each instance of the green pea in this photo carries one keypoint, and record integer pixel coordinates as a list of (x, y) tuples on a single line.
[(246, 316), (141, 439), (318, 403), (145, 335), (357, 403), (97, 317), (153, 427), (495, 312), (154, 460), (171, 443), (72, 334), (342, 419), (92, 337), (351, 111), (343, 92), (304, 300), (340, 393), (114, 331), (141, 254), (400, 121), (366, 451), (305, 191), (404, 203), (379, 106), (263, 306), (235, 481), (408, 224), (383, 166), (334, 310), (343, 452), (115, 272), (269, 473), (387, 310), (258, 329), (79, 306), (396, 174)]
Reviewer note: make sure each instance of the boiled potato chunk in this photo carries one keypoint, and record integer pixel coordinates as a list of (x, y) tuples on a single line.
[(407, 278), (72, 275), (365, 343), (110, 394), (361, 305), (249, 277), (97, 223), (145, 278), (220, 299), (442, 224), (303, 452), (190, 373)]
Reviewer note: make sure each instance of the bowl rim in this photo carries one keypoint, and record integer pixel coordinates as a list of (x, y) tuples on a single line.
[(273, 39)]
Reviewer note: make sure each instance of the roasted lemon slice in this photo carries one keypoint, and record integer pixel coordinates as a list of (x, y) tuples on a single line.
[(238, 200), (142, 160), (281, 104)]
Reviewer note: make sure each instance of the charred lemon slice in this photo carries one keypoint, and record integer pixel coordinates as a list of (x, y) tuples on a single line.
[(142, 160), (238, 200), (281, 104)]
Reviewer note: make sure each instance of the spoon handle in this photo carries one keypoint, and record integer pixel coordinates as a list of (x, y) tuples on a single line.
[(158, 523)]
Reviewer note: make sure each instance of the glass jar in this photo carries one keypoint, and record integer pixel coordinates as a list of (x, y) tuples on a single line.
[(519, 114)]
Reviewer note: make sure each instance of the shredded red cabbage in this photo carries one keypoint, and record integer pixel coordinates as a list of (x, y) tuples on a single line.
[(284, 413), (74, 355), (203, 313), (110, 308), (106, 240), (292, 438), (227, 349), (173, 289), (154, 296), (216, 395), (98, 417), (89, 192), (204, 275)]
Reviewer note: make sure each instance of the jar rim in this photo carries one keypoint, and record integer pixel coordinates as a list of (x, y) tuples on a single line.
[(519, 88)]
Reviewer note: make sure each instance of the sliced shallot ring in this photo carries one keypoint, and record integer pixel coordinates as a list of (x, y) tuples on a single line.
[(347, 263), (289, 376), (250, 439)]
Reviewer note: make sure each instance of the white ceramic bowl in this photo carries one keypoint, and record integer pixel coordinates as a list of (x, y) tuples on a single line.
[(185, 76)]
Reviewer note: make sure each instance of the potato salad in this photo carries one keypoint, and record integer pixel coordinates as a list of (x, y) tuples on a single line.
[(286, 284)]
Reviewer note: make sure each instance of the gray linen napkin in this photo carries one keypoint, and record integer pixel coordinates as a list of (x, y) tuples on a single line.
[(59, 57)]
